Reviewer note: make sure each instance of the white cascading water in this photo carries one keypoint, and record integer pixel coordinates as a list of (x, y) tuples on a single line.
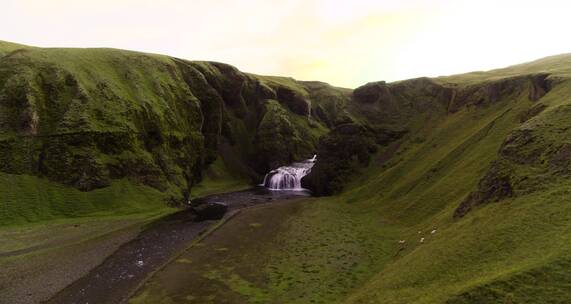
[(289, 177)]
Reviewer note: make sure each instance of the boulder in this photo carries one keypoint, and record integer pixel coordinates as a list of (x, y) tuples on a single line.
[(210, 211)]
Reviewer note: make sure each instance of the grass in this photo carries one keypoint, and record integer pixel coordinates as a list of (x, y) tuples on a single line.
[(7, 47), (218, 179), (558, 66), (58, 231), (326, 252), (28, 199), (496, 244), (342, 249), (345, 249), (120, 122), (292, 252), (96, 118)]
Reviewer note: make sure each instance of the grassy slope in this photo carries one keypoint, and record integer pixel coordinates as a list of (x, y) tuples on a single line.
[(514, 251), (123, 97), (7, 47), (558, 65), (136, 79), (27, 199), (218, 179), (346, 249)]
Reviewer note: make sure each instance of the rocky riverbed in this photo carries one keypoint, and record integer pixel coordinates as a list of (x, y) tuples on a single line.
[(114, 280)]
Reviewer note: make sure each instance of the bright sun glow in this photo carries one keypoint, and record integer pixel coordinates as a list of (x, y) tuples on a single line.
[(346, 43)]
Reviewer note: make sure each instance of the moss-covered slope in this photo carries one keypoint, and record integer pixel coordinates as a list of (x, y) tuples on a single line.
[(85, 118), (481, 158), (462, 199), (490, 178)]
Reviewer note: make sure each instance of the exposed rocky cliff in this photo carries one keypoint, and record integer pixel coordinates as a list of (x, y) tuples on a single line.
[(389, 111), (84, 118)]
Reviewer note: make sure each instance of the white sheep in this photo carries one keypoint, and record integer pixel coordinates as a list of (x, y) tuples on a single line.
[(422, 240)]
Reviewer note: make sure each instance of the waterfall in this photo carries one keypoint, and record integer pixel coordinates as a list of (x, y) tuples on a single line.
[(289, 177)]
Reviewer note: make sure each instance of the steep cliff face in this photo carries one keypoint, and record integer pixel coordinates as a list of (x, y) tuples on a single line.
[(398, 103), (414, 107), (378, 115), (84, 124), (88, 117), (341, 152), (489, 92)]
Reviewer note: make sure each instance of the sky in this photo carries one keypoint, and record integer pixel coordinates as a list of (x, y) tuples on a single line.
[(346, 43)]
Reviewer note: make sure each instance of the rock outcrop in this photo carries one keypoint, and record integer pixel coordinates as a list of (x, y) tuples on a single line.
[(341, 152), (533, 157), (533, 86)]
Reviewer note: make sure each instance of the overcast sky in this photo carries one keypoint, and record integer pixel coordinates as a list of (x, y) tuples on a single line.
[(346, 43)]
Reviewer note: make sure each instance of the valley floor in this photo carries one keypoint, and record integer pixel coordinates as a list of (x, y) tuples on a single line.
[(308, 250), (102, 260), (39, 260), (302, 251)]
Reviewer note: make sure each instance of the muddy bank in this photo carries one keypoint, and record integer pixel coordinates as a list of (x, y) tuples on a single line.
[(122, 272)]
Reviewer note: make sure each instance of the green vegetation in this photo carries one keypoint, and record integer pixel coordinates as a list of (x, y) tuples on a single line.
[(278, 140), (479, 133), (513, 250), (218, 179), (447, 190), (345, 148), (28, 199), (8, 47), (54, 233), (97, 122)]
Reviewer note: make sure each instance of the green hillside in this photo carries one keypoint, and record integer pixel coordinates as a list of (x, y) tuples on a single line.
[(480, 159), (446, 190), (88, 119), (508, 167), (8, 47), (490, 177)]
